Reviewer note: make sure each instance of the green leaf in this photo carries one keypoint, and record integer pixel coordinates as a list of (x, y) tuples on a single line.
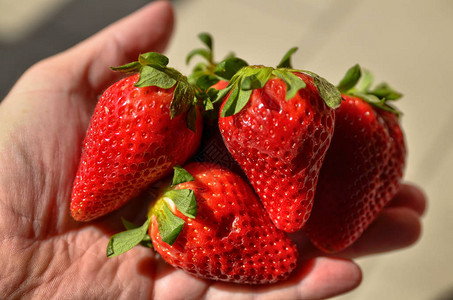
[(366, 81), (153, 59), (126, 240), (146, 241), (350, 79), (219, 95), (128, 225), (151, 76), (383, 90), (181, 175), (236, 102), (229, 106), (376, 102), (372, 99), (207, 103), (205, 81), (185, 201), (378, 96), (183, 98), (242, 100), (169, 225), (227, 68), (328, 92), (241, 86), (286, 60), (200, 52), (128, 68), (206, 38), (251, 82), (293, 83), (255, 78), (196, 74)]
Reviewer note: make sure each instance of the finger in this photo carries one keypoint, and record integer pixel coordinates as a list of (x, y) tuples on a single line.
[(395, 228), (317, 278), (171, 283), (410, 196), (329, 277), (148, 29)]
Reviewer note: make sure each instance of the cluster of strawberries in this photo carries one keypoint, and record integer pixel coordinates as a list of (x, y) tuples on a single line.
[(265, 151)]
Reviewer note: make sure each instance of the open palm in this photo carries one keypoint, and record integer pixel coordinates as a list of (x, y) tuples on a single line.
[(46, 254)]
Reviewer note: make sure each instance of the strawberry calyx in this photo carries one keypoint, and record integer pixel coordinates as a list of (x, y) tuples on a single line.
[(165, 210), (153, 71), (207, 65), (208, 72), (358, 82), (126, 240), (169, 203), (254, 77)]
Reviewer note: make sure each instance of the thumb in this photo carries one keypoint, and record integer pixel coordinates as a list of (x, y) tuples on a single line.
[(148, 29)]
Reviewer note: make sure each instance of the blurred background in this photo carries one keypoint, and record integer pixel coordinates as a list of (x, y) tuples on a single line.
[(407, 43)]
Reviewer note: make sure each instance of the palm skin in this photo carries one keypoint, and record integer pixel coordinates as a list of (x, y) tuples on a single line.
[(46, 254)]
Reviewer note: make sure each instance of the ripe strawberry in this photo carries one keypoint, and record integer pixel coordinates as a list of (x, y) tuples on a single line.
[(142, 126), (224, 234), (363, 165), (277, 124)]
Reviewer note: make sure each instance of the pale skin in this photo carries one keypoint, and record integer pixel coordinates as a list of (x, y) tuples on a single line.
[(45, 254)]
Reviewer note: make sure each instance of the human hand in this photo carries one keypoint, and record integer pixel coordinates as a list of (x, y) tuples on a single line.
[(46, 254)]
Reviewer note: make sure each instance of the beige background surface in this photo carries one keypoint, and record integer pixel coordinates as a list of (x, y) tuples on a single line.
[(407, 43)]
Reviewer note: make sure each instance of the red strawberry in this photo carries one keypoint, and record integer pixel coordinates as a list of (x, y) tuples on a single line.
[(225, 236), (142, 126), (277, 124), (362, 169)]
